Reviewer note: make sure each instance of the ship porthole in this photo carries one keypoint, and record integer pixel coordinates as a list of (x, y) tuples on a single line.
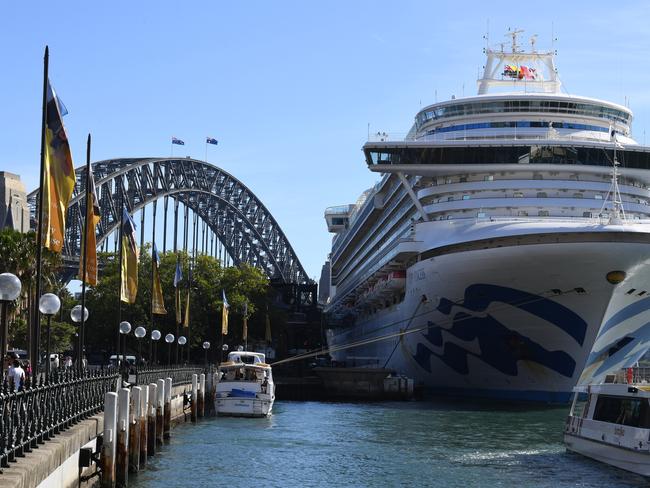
[(615, 277)]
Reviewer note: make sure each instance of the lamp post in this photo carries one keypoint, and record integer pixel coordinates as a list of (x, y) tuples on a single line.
[(48, 305), (169, 338), (139, 332), (206, 346), (125, 328), (224, 348), (9, 290), (182, 340), (155, 337), (75, 316)]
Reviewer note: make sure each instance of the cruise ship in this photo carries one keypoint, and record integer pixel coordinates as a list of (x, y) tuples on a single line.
[(505, 249)]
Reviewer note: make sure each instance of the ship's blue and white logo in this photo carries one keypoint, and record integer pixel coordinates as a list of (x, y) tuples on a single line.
[(493, 342)]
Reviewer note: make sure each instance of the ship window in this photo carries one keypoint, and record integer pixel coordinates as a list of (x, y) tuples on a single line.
[(537, 176), (543, 213), (480, 215), (448, 181), (578, 195), (598, 196), (522, 213), (587, 214), (466, 197), (622, 410), (541, 194), (488, 178), (518, 194), (463, 179), (450, 199)]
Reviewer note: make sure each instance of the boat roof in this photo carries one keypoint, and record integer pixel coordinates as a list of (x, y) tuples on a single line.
[(616, 389)]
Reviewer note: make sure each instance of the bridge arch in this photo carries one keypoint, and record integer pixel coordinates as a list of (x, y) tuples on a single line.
[(241, 222)]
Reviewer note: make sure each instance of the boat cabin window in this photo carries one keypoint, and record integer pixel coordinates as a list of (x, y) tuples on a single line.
[(634, 412)]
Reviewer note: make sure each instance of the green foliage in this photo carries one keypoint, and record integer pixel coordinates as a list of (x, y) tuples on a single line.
[(243, 283)]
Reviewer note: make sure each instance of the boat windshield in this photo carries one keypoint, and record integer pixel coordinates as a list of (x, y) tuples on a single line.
[(242, 373)]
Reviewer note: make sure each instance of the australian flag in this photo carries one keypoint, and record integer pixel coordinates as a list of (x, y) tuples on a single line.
[(177, 141), (211, 140)]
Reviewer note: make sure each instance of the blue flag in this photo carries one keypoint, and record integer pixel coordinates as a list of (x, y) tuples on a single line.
[(211, 140), (178, 276), (177, 141)]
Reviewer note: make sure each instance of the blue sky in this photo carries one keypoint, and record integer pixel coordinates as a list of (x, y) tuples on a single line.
[(288, 88)]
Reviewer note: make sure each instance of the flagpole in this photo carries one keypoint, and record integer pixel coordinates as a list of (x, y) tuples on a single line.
[(206, 150), (153, 240), (121, 257), (85, 260), (39, 233)]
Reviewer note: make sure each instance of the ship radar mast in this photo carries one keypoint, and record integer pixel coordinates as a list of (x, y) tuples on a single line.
[(618, 212), (517, 69)]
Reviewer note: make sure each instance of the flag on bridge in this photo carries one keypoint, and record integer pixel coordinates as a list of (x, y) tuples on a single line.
[(89, 240), (178, 277), (157, 300), (58, 173), (211, 140), (129, 266), (224, 314), (177, 141)]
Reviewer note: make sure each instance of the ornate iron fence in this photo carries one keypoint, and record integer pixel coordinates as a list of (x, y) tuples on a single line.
[(36, 412), (178, 374)]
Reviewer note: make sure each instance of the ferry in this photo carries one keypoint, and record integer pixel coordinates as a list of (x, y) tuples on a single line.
[(245, 386), (610, 423), (505, 248)]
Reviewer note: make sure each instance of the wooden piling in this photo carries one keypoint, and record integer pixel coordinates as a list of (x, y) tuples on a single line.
[(142, 413), (151, 419), (122, 455), (160, 405), (194, 397), (134, 430), (201, 406), (167, 419), (108, 447)]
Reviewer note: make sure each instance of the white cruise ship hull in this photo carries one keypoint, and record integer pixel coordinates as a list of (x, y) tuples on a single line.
[(512, 320)]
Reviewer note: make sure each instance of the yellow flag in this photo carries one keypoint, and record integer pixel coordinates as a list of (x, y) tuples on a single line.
[(224, 314), (179, 317), (129, 271), (186, 322), (89, 241), (157, 300), (59, 176)]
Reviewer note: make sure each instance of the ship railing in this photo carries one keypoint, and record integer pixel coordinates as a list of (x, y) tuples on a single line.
[(590, 220)]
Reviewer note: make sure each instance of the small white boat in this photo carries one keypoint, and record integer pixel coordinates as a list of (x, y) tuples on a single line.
[(610, 423), (245, 386)]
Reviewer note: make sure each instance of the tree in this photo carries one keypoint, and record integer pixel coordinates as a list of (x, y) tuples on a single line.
[(209, 278)]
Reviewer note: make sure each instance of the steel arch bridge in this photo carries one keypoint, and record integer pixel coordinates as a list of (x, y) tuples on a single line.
[(247, 230)]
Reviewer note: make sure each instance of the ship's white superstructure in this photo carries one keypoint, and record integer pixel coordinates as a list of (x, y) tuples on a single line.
[(499, 248)]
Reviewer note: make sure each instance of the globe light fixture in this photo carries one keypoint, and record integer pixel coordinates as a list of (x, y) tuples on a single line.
[(139, 333), (169, 338), (182, 340), (206, 346), (75, 314), (153, 343), (125, 328), (49, 304), (9, 290)]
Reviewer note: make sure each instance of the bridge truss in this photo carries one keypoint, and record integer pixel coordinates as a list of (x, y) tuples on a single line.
[(244, 226)]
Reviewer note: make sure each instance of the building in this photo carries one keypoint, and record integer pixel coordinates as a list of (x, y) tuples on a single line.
[(14, 211)]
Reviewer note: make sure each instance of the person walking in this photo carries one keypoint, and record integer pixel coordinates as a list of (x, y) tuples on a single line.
[(17, 375)]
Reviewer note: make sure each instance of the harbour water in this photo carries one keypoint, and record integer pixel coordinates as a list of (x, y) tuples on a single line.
[(446, 444)]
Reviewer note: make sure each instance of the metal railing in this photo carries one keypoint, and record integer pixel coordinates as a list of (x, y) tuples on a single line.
[(179, 374), (38, 411)]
